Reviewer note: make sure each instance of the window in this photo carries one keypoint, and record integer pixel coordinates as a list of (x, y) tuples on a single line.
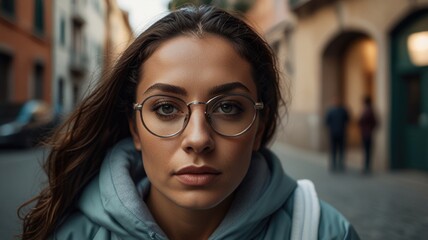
[(97, 7), (60, 95), (85, 45), (275, 47), (5, 65), (413, 95), (100, 55), (7, 7), (62, 32), (76, 92), (39, 23), (38, 81)]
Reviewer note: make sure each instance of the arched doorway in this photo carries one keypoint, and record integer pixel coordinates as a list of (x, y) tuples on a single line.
[(348, 68), (409, 94)]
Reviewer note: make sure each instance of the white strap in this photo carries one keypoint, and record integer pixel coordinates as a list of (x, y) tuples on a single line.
[(306, 212)]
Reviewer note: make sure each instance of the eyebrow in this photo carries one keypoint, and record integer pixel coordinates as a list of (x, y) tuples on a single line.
[(167, 88), (228, 87)]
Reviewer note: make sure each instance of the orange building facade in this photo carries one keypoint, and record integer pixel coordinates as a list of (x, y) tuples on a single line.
[(25, 50)]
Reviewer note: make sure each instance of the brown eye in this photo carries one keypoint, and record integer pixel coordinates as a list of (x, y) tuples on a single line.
[(166, 109), (228, 108)]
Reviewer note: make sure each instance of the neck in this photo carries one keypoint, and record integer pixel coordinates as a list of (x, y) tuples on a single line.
[(183, 223)]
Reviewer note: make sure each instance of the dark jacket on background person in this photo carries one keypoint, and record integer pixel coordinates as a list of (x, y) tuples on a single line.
[(367, 122), (336, 120)]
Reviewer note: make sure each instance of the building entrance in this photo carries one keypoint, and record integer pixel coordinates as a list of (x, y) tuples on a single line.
[(409, 82), (349, 65)]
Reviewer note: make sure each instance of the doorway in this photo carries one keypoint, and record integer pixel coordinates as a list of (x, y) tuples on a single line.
[(409, 96), (349, 65)]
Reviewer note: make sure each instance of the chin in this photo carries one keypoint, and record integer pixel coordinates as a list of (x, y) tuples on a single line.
[(202, 200)]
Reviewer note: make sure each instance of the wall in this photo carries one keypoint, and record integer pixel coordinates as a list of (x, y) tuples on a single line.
[(310, 35), (19, 39)]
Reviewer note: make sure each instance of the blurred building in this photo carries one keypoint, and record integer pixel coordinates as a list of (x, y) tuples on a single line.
[(78, 49), (88, 36), (272, 19), (25, 50), (352, 49), (56, 50), (119, 33)]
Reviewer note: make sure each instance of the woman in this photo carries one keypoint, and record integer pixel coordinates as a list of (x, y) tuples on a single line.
[(367, 123), (171, 144)]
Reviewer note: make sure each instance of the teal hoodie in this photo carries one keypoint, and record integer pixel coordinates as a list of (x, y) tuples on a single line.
[(112, 206)]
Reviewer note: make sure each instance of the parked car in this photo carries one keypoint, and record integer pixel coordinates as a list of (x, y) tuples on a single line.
[(25, 124)]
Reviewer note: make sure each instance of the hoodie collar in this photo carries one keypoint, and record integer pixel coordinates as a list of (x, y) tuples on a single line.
[(265, 186), (122, 184)]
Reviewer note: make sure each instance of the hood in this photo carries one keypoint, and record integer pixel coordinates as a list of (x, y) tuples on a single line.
[(265, 186), (114, 198)]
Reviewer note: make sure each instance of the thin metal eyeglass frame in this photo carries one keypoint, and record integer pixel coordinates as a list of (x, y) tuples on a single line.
[(257, 106)]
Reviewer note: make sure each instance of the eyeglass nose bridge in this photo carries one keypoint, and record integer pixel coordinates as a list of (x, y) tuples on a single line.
[(196, 103), (207, 115)]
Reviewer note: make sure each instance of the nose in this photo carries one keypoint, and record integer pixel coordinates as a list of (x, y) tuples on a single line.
[(198, 135)]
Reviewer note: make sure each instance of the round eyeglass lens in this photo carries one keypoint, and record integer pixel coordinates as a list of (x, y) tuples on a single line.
[(231, 115), (164, 115)]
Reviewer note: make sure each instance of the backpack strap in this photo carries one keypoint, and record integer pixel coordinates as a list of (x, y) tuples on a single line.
[(306, 212)]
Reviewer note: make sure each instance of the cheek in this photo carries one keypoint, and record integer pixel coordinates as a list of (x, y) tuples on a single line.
[(152, 145), (238, 157), (156, 157), (238, 151), (155, 152)]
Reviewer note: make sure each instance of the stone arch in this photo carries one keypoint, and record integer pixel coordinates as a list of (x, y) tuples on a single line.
[(348, 72)]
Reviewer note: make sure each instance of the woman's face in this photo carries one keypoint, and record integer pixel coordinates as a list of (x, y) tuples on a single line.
[(197, 169)]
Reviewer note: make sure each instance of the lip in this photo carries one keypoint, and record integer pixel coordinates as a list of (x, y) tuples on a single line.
[(197, 176)]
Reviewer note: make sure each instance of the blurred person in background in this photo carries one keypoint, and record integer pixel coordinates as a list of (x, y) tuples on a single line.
[(173, 145), (367, 123), (336, 120)]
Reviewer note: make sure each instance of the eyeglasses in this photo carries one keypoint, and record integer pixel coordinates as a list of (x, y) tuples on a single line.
[(229, 115)]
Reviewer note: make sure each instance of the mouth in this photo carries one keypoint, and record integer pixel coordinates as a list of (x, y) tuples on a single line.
[(197, 176)]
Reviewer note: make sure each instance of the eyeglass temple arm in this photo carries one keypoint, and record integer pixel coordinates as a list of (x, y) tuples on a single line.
[(258, 105), (137, 106)]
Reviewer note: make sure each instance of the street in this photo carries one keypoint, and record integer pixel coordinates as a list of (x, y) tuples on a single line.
[(20, 179), (391, 205)]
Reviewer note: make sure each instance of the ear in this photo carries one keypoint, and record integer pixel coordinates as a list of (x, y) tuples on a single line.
[(134, 133), (259, 135)]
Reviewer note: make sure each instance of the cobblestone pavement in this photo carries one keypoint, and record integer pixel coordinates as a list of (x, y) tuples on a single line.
[(21, 176), (389, 205)]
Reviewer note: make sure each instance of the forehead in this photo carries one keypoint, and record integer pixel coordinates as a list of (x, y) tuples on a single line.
[(197, 65)]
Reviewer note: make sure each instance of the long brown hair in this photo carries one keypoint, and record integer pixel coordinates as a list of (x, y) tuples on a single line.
[(78, 146)]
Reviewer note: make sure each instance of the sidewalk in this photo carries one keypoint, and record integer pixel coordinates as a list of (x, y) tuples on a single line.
[(383, 205), (353, 161)]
